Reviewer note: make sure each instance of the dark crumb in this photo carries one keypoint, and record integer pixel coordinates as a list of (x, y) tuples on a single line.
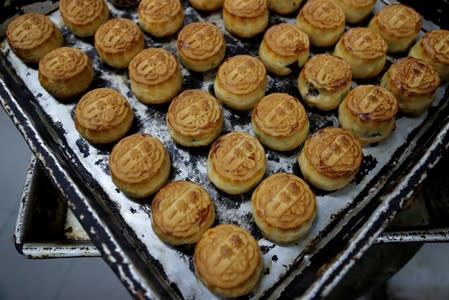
[(368, 163)]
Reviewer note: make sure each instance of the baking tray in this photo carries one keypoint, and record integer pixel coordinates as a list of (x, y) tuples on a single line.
[(47, 228), (349, 220)]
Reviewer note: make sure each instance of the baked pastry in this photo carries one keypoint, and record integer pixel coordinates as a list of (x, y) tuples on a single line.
[(283, 45), (369, 111), (181, 212), (160, 17), (280, 122), (364, 50), (117, 41), (103, 116), (283, 207), (155, 76), (194, 118), (236, 163), (201, 46), (284, 7), (398, 25), (323, 21), (413, 82), (331, 158), (139, 165), (240, 82), (65, 72), (324, 81), (83, 17), (228, 260), (356, 10), (245, 18), (32, 35), (207, 5), (433, 48)]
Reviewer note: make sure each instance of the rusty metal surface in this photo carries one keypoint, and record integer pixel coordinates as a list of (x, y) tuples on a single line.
[(348, 223)]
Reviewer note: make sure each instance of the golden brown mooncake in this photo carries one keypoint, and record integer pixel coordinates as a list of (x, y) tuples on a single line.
[(240, 82), (283, 45), (398, 24), (83, 17), (283, 207), (32, 35), (194, 118), (433, 48), (369, 111), (323, 21), (181, 212), (284, 7), (117, 41), (364, 50), (65, 72), (236, 163), (228, 260), (139, 165), (331, 158), (413, 82), (155, 76), (280, 122), (103, 116), (245, 18), (201, 46), (356, 10), (324, 81), (207, 5), (160, 17)]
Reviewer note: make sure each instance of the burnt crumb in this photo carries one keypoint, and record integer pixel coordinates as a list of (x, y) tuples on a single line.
[(83, 146), (233, 49), (103, 163), (273, 156), (267, 271), (320, 120), (265, 249), (193, 81), (287, 85), (99, 82), (368, 163), (274, 258), (117, 190), (60, 128), (132, 210), (237, 118)]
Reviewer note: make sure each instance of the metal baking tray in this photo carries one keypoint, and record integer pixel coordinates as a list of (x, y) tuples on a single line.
[(47, 228), (348, 222)]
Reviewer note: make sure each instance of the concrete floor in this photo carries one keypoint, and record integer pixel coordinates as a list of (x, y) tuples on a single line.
[(424, 277)]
